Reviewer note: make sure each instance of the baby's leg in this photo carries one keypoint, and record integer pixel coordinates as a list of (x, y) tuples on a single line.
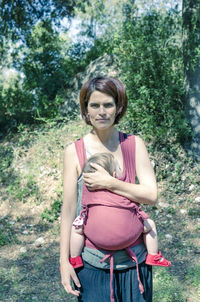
[(150, 237), (76, 242), (154, 256)]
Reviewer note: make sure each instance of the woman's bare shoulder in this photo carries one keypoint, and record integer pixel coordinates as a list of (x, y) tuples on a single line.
[(70, 156), (139, 141), (69, 149), (71, 159), (141, 150)]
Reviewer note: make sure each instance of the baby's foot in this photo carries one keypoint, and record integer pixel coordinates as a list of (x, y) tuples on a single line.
[(158, 260), (76, 261)]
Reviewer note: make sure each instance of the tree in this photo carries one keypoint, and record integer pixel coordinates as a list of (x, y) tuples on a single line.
[(38, 86), (43, 68), (18, 17), (149, 53), (30, 44), (191, 58)]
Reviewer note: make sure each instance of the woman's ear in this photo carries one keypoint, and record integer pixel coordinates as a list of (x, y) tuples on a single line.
[(114, 174), (119, 110), (87, 116)]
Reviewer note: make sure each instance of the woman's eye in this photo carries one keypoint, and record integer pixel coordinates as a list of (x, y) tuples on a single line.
[(109, 105), (94, 105)]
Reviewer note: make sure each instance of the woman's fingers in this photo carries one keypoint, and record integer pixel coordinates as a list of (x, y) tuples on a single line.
[(72, 291), (69, 288), (68, 275), (96, 180), (87, 180), (75, 279)]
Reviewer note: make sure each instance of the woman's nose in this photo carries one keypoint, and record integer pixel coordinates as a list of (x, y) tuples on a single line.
[(101, 109)]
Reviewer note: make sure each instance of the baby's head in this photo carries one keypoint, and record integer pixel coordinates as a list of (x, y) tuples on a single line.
[(106, 161)]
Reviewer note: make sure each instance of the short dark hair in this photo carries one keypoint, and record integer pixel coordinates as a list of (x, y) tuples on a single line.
[(108, 85), (105, 160)]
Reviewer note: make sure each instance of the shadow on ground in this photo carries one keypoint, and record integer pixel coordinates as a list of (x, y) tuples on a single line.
[(33, 275)]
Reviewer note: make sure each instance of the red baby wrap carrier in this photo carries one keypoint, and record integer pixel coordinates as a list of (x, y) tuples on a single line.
[(113, 221)]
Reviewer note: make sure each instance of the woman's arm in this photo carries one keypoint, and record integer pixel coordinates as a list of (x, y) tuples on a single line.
[(67, 216), (145, 192)]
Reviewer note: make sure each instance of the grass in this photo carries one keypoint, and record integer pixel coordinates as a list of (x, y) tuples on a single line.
[(167, 288), (30, 200)]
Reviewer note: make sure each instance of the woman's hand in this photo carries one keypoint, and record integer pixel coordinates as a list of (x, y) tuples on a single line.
[(97, 180), (68, 274)]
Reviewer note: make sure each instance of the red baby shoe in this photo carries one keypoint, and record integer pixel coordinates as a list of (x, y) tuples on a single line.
[(158, 260), (76, 261)]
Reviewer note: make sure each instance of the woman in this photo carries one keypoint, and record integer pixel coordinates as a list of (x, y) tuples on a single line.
[(103, 102)]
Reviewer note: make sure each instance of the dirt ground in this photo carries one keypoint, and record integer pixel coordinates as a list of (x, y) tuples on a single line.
[(29, 272)]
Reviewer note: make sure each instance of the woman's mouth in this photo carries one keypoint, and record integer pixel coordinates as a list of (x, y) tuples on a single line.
[(102, 120)]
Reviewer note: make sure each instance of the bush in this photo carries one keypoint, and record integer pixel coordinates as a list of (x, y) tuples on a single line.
[(150, 57), (45, 70), (15, 105)]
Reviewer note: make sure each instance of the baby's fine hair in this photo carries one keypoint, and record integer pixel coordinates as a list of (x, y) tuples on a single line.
[(105, 160)]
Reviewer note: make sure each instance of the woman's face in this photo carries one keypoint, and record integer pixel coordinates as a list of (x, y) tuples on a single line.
[(101, 110)]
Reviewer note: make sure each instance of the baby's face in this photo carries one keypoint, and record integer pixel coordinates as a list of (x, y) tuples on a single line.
[(118, 170)]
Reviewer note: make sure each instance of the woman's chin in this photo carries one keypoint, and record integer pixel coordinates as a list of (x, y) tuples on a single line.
[(102, 125)]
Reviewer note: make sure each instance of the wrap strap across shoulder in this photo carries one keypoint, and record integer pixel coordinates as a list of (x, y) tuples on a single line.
[(80, 151)]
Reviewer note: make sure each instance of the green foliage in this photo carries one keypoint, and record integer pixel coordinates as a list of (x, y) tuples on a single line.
[(47, 72), (19, 186), (148, 49), (149, 54), (44, 70), (194, 211), (171, 211), (3, 239), (193, 276), (6, 156), (53, 213), (99, 21), (18, 17), (22, 192), (15, 105), (100, 47), (7, 236)]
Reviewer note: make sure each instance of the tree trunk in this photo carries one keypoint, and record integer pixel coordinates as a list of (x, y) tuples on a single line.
[(191, 57)]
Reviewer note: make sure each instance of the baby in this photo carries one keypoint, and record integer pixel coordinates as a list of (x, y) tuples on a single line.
[(110, 164)]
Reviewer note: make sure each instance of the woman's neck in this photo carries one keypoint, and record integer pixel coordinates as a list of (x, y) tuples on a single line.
[(106, 137)]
